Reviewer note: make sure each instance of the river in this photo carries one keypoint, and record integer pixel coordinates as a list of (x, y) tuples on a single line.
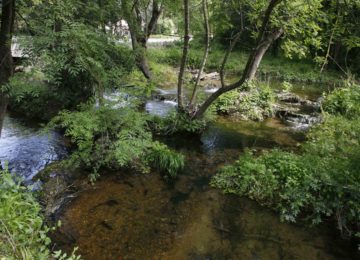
[(126, 215)]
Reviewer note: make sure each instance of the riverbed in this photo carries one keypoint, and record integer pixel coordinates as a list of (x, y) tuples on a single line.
[(135, 216)]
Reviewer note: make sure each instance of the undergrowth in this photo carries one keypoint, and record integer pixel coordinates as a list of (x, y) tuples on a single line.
[(320, 181), (106, 137), (23, 233)]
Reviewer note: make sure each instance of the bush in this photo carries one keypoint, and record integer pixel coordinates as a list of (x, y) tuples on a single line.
[(81, 62), (178, 123), (22, 231), (32, 97), (344, 101), (114, 138), (166, 160), (320, 182)]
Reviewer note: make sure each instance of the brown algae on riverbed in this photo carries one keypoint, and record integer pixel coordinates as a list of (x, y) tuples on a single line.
[(134, 216), (138, 217)]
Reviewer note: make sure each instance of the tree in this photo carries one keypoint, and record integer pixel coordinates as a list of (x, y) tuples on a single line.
[(265, 38), (206, 50), (184, 56), (6, 62), (341, 35), (141, 27), (274, 18)]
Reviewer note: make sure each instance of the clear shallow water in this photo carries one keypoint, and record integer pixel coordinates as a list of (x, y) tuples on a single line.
[(27, 150), (160, 107), (134, 216)]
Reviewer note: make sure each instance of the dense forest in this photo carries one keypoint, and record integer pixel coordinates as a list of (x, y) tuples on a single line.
[(179, 129)]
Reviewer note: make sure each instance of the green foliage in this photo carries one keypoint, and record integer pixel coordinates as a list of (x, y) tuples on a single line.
[(23, 234), (88, 55), (31, 96), (321, 181), (254, 104), (178, 123), (344, 101), (166, 160), (287, 86), (114, 138), (76, 59)]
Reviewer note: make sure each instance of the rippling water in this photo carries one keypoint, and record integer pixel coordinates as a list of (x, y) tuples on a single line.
[(27, 150)]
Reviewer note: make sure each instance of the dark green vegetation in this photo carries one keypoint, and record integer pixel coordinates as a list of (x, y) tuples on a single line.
[(76, 55), (320, 181), (114, 138), (23, 233)]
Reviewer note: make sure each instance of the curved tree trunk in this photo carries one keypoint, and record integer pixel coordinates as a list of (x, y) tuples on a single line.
[(6, 62), (264, 42), (180, 96)]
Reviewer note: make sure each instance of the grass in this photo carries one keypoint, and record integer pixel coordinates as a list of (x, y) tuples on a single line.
[(278, 67)]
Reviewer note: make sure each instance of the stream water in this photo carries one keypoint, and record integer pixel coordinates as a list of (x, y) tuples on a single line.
[(26, 150), (135, 216), (132, 216)]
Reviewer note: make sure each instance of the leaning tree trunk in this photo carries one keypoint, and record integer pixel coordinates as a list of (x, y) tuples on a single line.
[(180, 97), (206, 51), (264, 42), (6, 62)]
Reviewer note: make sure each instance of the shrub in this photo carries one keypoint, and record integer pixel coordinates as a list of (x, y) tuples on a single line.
[(166, 160), (344, 101), (178, 123), (320, 182), (31, 96), (113, 138)]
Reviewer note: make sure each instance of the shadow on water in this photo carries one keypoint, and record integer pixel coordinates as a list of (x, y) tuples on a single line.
[(131, 216)]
